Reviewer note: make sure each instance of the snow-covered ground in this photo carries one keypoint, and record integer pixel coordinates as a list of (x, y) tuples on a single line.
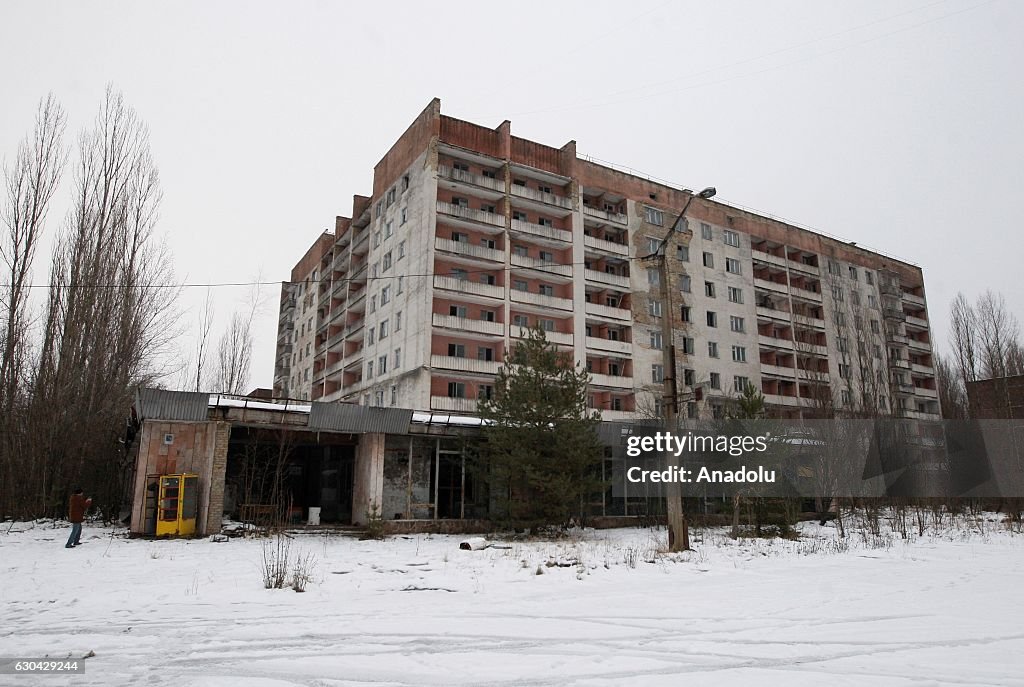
[(602, 608)]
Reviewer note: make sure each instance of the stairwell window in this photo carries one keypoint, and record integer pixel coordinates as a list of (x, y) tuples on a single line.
[(654, 216)]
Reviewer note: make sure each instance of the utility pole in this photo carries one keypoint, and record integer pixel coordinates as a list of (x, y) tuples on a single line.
[(678, 530)]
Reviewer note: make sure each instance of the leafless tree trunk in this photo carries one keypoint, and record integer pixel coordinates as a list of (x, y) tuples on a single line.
[(964, 339), (203, 342), (234, 357), (952, 395), (998, 334)]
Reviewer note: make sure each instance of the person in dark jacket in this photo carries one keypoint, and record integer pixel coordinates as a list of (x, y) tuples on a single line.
[(77, 506)]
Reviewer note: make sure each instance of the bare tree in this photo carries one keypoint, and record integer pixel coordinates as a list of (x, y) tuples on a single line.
[(109, 315), (998, 334), (952, 395), (203, 341), (963, 338), (234, 350), (30, 185)]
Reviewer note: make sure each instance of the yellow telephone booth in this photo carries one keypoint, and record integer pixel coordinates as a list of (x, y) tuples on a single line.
[(177, 505)]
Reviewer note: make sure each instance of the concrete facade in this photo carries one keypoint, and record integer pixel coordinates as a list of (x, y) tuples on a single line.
[(472, 235)]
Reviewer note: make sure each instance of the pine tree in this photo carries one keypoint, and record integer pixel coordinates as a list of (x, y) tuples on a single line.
[(539, 452)]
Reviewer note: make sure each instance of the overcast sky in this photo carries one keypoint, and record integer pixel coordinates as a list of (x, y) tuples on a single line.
[(894, 124)]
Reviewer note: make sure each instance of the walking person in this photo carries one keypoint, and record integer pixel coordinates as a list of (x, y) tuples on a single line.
[(77, 505)]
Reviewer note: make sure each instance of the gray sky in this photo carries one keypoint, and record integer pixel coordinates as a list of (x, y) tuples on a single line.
[(893, 124)]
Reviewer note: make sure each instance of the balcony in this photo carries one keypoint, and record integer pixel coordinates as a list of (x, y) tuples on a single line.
[(490, 218), (467, 325), (335, 339), (923, 369), (541, 231), (616, 415), (911, 298), (614, 217), (541, 265), (769, 258), (541, 197), (453, 405), (805, 294), (789, 401), (605, 278), (448, 362), (361, 242), (772, 342), (469, 178), (919, 345), (778, 371), (771, 286), (608, 311), (610, 346), (918, 322), (469, 287), (606, 246), (354, 329), (803, 267), (560, 338), (469, 250), (899, 363), (924, 392), (541, 299), (808, 321), (612, 381)]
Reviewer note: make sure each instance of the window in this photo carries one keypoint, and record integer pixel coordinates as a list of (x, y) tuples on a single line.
[(546, 290), (401, 250), (518, 182), (709, 259), (398, 321), (398, 357), (520, 285), (739, 354), (837, 294), (457, 310), (405, 182), (376, 239), (460, 274), (705, 231), (389, 229), (730, 238), (844, 371), (654, 308), (685, 313), (386, 262), (521, 320), (736, 324), (833, 267), (403, 216), (683, 253), (520, 216), (521, 251), (544, 222), (739, 384), (712, 349), (709, 289), (485, 353), (385, 295), (853, 273), (869, 278), (684, 283), (382, 364), (732, 266), (653, 216), (487, 315), (369, 369), (735, 295), (688, 345), (547, 256), (653, 245), (653, 276), (488, 279), (460, 237), (456, 350), (401, 285), (374, 270), (844, 344), (390, 197), (872, 301), (689, 377), (874, 327), (716, 380), (371, 336), (394, 394), (456, 390), (657, 373), (846, 397), (484, 392), (547, 325), (691, 410), (383, 330), (712, 318), (378, 398), (656, 341)]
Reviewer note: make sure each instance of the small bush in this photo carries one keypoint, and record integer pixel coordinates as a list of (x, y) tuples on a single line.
[(302, 571), (276, 560)]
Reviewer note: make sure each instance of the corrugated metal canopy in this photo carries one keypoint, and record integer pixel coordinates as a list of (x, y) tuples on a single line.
[(343, 417), (161, 404)]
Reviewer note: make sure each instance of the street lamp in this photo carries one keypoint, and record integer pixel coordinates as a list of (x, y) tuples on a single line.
[(678, 531)]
